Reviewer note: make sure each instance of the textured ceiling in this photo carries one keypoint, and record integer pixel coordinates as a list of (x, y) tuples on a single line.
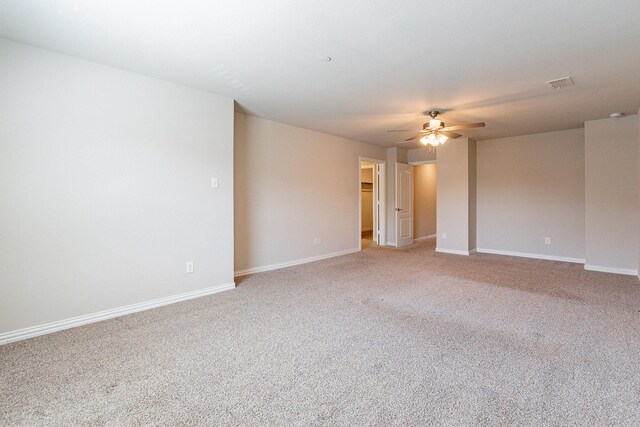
[(391, 60)]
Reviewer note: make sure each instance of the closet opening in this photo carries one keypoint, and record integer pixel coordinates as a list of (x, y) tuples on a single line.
[(372, 207)]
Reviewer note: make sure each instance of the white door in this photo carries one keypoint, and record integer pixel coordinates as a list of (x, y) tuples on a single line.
[(404, 204)]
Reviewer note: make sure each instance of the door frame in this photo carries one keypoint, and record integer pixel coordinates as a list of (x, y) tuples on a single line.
[(379, 187)]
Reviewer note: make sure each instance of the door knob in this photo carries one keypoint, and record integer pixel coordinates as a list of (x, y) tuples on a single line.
[(398, 209)]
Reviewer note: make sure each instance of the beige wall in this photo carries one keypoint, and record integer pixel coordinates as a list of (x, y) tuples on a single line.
[(421, 154), (472, 154), (611, 176), (454, 195), (424, 200), (105, 188), (367, 174), (292, 185), (367, 210), (531, 187)]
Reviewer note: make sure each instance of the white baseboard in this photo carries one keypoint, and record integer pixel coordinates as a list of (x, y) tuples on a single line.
[(529, 255), (391, 243), (430, 236), (244, 272), (47, 328), (452, 251), (625, 271)]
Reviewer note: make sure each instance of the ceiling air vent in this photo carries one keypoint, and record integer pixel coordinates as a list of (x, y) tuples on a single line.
[(561, 83)]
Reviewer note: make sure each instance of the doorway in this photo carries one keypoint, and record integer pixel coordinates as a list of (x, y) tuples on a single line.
[(371, 215), (424, 201)]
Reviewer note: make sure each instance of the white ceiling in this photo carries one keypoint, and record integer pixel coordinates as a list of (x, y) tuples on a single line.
[(392, 60)]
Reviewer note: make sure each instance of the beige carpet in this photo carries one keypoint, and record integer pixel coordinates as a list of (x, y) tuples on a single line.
[(381, 337)]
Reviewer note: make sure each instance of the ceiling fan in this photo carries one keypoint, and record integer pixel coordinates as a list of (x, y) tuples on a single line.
[(435, 133)]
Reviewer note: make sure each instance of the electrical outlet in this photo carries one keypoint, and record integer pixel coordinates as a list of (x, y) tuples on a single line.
[(189, 267), (317, 240), (547, 240), (444, 235), (215, 183)]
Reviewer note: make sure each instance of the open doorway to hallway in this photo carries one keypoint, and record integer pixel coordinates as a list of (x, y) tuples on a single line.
[(372, 203), (367, 204), (424, 201)]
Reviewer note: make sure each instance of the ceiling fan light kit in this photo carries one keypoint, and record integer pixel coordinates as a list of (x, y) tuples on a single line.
[(433, 139)]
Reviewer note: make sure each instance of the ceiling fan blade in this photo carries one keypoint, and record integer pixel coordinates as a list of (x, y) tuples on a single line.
[(468, 126), (451, 135), (418, 136), (404, 130)]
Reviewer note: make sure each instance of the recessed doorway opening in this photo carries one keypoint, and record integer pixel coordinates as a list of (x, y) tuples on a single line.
[(424, 201), (371, 230)]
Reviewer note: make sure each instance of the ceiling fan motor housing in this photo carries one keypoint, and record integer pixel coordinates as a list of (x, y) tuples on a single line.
[(433, 124)]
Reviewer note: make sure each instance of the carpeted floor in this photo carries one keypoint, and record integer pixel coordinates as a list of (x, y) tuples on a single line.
[(381, 337)]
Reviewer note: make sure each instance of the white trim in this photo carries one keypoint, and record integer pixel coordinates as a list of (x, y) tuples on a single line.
[(279, 265), (430, 236), (452, 251), (529, 255), (47, 328), (625, 271), (370, 160), (391, 244)]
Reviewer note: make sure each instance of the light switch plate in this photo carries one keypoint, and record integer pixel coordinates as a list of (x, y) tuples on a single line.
[(214, 182)]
